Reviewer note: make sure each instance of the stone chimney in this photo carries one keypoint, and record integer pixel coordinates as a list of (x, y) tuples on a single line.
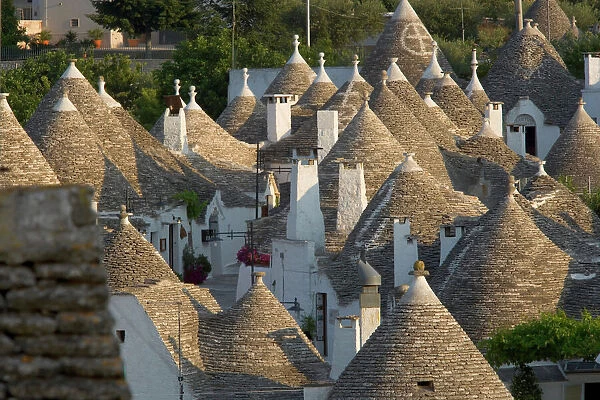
[(271, 192), (174, 125), (346, 343), (493, 112), (591, 65), (352, 194), (370, 299), (405, 251), (56, 333), (327, 128), (449, 236), (279, 116), (305, 219)]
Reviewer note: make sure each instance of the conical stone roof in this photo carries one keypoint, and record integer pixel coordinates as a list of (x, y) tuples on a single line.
[(245, 118), (504, 272), (552, 20), (411, 192), (576, 151), (445, 121), (474, 90), (257, 342), (407, 129), (132, 261), (208, 139), (419, 351), (320, 90), (366, 140), (350, 97), (406, 93), (453, 101), (71, 148), (405, 37), (21, 162), (295, 76), (528, 65), (432, 74), (114, 141)]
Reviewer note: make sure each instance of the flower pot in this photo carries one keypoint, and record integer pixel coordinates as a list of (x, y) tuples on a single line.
[(97, 43), (133, 42), (45, 42)]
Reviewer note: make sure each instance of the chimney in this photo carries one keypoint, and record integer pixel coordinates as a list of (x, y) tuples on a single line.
[(405, 251), (305, 220), (592, 70), (370, 299), (519, 14), (346, 343), (352, 195), (174, 127), (493, 112), (327, 128), (279, 116), (449, 236), (272, 192)]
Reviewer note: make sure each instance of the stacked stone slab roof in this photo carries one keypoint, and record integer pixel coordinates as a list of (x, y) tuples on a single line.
[(404, 37), (21, 162), (432, 74), (408, 192), (419, 351), (365, 140), (501, 273), (321, 89), (457, 106), (528, 65), (444, 120), (474, 90), (245, 118), (555, 201), (550, 17), (257, 344), (130, 260), (212, 142), (438, 129), (407, 129), (55, 328), (114, 141), (65, 135), (576, 151), (295, 76)]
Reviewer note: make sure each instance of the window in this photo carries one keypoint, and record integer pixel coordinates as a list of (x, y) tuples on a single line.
[(121, 335), (426, 385), (450, 231), (74, 22)]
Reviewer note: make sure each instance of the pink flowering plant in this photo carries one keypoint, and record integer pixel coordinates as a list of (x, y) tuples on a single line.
[(250, 256), (195, 268)]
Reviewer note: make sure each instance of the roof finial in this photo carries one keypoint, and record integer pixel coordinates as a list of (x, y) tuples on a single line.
[(124, 216), (245, 76), (177, 86), (573, 22), (428, 100), (192, 105), (101, 84), (409, 164), (511, 186), (541, 170), (581, 103), (384, 77), (63, 103), (394, 72), (474, 61), (419, 269), (322, 60), (528, 22), (296, 43), (258, 276)]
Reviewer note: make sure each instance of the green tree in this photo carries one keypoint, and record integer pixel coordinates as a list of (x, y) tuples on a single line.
[(524, 385), (11, 31), (137, 17)]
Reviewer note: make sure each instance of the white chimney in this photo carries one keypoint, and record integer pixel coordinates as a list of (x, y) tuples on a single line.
[(346, 343), (369, 300), (327, 128), (592, 70), (406, 252), (175, 131), (352, 195), (279, 116), (493, 112), (305, 219), (449, 236)]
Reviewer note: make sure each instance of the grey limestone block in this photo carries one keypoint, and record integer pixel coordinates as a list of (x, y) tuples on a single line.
[(84, 322), (69, 346), (111, 367), (15, 277), (15, 368), (27, 324), (58, 298), (66, 230), (87, 272), (7, 345), (69, 388)]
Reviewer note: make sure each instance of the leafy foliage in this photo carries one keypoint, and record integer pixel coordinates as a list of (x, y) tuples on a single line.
[(586, 12), (309, 326), (570, 49), (551, 337), (11, 31), (195, 268), (524, 385), (194, 206)]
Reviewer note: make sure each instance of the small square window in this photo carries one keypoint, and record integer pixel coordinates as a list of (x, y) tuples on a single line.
[(121, 335), (74, 22)]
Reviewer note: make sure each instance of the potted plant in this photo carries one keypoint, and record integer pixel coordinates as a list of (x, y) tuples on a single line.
[(250, 256), (96, 35), (195, 268), (44, 37), (133, 40)]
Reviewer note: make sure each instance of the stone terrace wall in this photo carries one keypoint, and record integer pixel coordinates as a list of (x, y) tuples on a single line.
[(56, 334)]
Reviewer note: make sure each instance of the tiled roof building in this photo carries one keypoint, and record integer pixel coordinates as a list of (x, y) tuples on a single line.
[(21, 162), (503, 272), (404, 37), (419, 351), (56, 331), (528, 65), (575, 153)]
